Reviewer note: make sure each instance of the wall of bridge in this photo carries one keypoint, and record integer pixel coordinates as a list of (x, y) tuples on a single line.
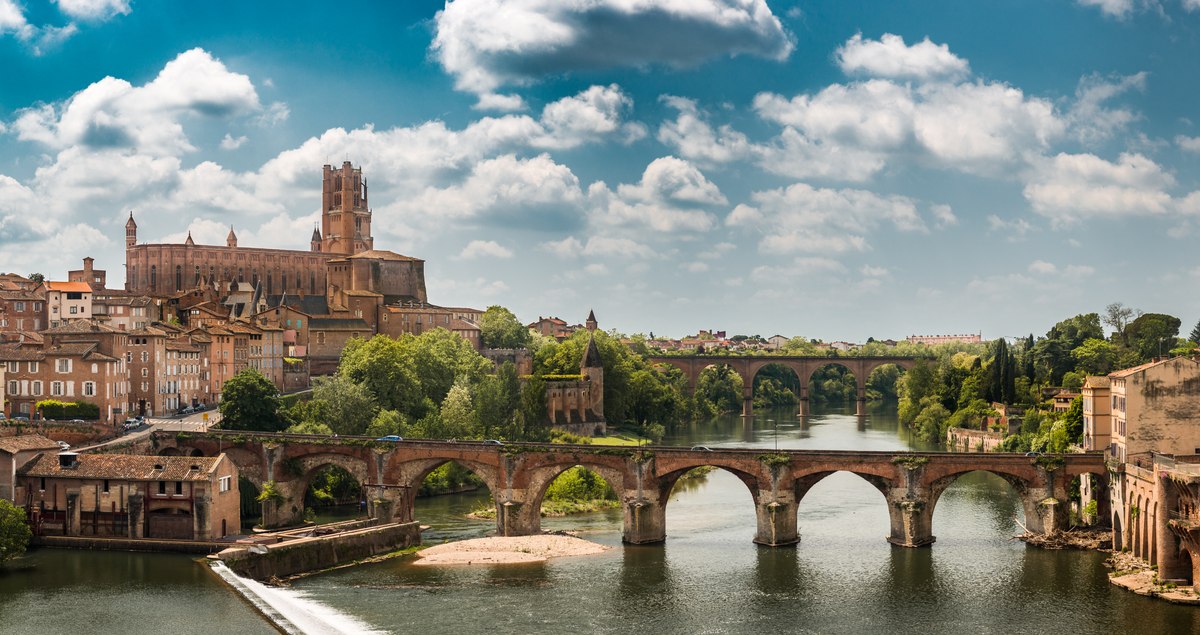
[(518, 475), (804, 367)]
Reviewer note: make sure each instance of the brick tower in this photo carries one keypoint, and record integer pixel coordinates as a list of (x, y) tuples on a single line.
[(345, 216)]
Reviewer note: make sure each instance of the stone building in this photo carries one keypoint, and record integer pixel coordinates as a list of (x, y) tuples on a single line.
[(130, 496), (1156, 406), (68, 302), (933, 340), (577, 404), (22, 310), (15, 452)]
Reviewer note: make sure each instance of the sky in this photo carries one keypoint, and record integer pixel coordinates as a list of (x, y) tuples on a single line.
[(836, 170)]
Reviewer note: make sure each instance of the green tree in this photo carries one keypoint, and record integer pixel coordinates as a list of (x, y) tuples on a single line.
[(1073, 421), (309, 427), (720, 386), (1152, 334), (388, 422), (441, 359), (500, 328), (14, 531), (386, 368), (1095, 356), (347, 406), (1117, 316), (1195, 336), (915, 386), (458, 413), (37, 278), (249, 401)]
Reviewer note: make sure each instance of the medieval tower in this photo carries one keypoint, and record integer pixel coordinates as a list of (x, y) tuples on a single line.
[(345, 216)]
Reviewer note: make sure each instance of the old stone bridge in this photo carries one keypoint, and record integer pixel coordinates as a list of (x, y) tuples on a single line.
[(518, 474), (804, 367)]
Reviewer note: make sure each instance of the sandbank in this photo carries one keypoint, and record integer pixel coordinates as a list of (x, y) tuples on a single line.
[(508, 550)]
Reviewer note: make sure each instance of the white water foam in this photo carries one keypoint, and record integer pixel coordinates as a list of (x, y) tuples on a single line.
[(291, 610)]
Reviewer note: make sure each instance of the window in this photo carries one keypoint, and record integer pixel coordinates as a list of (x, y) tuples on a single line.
[(37, 306), (19, 307), (145, 357), (179, 488), (105, 486), (74, 310), (56, 389), (36, 388), (13, 387), (95, 368), (42, 483), (14, 367), (162, 487), (62, 365), (145, 372), (225, 483), (33, 367), (89, 389)]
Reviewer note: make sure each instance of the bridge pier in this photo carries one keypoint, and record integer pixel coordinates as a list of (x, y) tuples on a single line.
[(802, 410), (911, 519), (860, 408), (517, 518), (645, 521), (748, 402), (289, 510), (776, 520), (387, 504)]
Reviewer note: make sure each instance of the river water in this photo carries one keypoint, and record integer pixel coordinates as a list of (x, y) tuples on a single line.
[(709, 577)]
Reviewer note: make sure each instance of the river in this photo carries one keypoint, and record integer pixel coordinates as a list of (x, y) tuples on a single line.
[(708, 577)]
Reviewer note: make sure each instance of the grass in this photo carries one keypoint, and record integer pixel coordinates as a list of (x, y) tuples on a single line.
[(623, 439)]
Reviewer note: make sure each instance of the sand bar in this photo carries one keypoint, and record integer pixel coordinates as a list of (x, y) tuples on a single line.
[(508, 550)]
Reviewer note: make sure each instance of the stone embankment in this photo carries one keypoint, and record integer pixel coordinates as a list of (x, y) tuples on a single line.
[(283, 554), (508, 550), (1134, 574)]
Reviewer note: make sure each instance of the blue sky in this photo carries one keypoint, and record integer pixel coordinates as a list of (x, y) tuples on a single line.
[(835, 170)]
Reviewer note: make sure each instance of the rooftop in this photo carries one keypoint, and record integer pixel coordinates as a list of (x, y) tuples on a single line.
[(12, 445), (125, 467)]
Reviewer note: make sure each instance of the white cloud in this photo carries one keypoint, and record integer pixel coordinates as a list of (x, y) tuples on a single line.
[(874, 272), (986, 128), (484, 249), (275, 114), (621, 247), (12, 18), (589, 116), (566, 248), (93, 10), (890, 57), (801, 218), (672, 196), (696, 140), (1070, 187), (1188, 144), (1116, 8), (1042, 267), (1090, 120), (230, 143), (694, 267), (798, 267), (1016, 228), (111, 113), (488, 44), (943, 215)]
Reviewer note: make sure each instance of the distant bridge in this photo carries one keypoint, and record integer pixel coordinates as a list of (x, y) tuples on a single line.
[(518, 474), (804, 366)]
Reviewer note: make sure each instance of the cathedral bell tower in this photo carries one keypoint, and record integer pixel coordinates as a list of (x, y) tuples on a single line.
[(345, 215)]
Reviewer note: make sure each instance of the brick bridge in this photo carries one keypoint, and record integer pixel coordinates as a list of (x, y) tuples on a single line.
[(804, 367), (518, 474)]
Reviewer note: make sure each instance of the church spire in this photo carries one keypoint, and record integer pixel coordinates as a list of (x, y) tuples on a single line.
[(231, 239)]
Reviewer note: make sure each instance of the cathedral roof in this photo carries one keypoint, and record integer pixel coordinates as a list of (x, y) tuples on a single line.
[(316, 234), (382, 254)]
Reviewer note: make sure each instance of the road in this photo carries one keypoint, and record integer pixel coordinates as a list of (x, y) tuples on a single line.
[(187, 423)]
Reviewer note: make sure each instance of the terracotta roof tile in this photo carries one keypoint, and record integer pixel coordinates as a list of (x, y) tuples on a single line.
[(125, 467), (12, 445)]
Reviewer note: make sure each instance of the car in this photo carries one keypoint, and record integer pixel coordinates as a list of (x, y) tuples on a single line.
[(21, 418), (78, 421), (494, 442), (186, 410), (1033, 454), (390, 437), (3, 416), (701, 448), (63, 445)]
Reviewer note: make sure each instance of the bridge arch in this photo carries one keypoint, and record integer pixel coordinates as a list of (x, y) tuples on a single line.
[(1020, 485), (612, 469)]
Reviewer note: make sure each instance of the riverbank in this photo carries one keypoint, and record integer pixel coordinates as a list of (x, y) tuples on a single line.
[(1134, 574), (508, 550)]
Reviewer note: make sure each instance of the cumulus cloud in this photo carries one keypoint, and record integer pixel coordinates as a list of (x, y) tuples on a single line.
[(694, 138), (672, 196), (484, 249), (890, 57), (112, 113), (488, 44), (1188, 144), (978, 127), (589, 116), (93, 10), (802, 218), (1115, 8), (231, 143), (1070, 187), (1090, 119)]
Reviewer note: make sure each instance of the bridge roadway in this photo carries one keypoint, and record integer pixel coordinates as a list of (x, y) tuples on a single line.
[(748, 366), (518, 474)]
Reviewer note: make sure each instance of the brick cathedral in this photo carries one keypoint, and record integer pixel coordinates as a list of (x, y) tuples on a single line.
[(169, 269)]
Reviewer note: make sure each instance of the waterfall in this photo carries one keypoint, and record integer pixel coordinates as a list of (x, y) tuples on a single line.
[(291, 610)]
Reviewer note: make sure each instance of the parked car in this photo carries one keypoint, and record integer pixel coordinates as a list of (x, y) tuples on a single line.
[(3, 417), (21, 418), (701, 448), (494, 442), (63, 445), (186, 410), (390, 437)]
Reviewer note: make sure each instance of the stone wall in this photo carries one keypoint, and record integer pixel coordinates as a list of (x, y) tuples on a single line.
[(965, 440), (319, 552)]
